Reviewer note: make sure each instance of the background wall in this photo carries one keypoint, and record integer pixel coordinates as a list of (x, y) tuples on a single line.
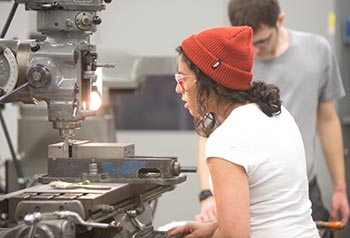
[(156, 27)]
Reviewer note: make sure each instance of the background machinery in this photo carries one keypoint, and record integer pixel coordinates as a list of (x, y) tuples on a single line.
[(62, 71)]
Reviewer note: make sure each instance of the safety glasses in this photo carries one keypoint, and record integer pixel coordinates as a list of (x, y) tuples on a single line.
[(264, 42), (180, 79)]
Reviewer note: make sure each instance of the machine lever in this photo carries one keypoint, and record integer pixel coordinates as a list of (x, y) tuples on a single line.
[(106, 65), (184, 169), (138, 223), (188, 169), (20, 88), (80, 221), (32, 220)]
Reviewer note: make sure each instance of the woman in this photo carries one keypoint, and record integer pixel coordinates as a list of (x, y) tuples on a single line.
[(259, 191)]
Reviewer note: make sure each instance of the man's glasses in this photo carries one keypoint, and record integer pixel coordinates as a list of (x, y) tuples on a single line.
[(180, 79), (263, 42)]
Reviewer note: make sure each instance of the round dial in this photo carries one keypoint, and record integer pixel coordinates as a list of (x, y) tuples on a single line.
[(8, 70)]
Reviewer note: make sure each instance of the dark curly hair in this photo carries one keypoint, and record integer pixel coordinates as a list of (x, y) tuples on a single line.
[(266, 96)]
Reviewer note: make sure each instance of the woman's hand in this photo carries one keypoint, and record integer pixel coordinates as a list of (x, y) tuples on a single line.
[(193, 230)]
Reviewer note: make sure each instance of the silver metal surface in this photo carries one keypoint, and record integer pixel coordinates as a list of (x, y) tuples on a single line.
[(32, 220), (125, 208), (91, 150), (8, 64), (59, 70), (110, 162)]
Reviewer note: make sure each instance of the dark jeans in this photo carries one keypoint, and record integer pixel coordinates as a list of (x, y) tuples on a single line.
[(319, 211)]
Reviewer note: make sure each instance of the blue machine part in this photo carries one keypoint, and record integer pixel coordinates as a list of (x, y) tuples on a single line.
[(128, 168), (347, 30)]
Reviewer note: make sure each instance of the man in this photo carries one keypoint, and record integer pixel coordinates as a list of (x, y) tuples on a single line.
[(304, 68)]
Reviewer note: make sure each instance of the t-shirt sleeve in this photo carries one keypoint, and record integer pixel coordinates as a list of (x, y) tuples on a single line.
[(233, 151), (332, 87)]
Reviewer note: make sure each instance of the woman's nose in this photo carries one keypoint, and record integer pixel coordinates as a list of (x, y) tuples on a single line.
[(178, 89)]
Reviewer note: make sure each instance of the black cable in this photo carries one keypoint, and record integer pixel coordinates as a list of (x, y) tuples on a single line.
[(19, 170), (9, 20)]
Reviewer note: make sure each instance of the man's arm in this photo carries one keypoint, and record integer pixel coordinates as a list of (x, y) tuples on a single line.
[(208, 208), (329, 130)]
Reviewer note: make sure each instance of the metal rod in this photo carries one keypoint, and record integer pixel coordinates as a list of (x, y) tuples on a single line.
[(17, 90), (9, 20), (19, 171)]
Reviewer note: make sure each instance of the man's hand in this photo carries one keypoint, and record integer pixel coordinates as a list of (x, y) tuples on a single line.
[(340, 206), (208, 210)]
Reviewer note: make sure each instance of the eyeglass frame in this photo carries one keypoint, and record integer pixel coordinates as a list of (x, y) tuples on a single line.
[(180, 80), (263, 42)]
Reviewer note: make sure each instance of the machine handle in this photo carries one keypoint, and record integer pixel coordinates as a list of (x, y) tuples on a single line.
[(184, 169), (334, 225), (188, 169)]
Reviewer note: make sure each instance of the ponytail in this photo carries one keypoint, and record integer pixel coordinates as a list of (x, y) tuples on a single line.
[(267, 97)]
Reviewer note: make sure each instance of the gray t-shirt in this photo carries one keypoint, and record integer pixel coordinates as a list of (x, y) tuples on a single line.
[(307, 74)]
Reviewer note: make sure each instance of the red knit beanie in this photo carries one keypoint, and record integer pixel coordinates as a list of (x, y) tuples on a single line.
[(225, 54)]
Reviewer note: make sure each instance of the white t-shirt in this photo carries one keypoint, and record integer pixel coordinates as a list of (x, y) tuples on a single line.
[(272, 153)]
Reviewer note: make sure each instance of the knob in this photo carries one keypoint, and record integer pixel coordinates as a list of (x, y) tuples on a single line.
[(38, 76), (34, 46), (97, 20), (184, 169)]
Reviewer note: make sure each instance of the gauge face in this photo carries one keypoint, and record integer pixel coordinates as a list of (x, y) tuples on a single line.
[(8, 70)]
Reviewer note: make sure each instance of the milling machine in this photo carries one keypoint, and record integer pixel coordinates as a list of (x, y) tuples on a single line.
[(61, 70)]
